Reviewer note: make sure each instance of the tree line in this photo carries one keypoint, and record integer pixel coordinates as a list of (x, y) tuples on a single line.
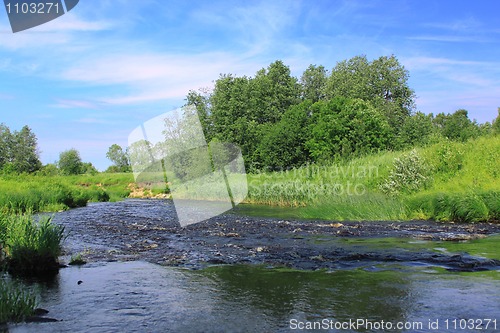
[(280, 121), (19, 153), (359, 107)]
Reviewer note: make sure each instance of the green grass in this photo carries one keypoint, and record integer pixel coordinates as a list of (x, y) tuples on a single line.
[(367, 207), (22, 193), (16, 304), (29, 246), (77, 260), (463, 186)]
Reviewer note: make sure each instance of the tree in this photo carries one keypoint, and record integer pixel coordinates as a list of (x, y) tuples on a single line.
[(87, 167), (382, 82), (119, 157), (496, 124), (416, 130), (19, 150), (201, 102), (24, 153), (275, 91), (313, 83), (283, 144), (346, 127), (70, 162), (5, 145), (457, 126)]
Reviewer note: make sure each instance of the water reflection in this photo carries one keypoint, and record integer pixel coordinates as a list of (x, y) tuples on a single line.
[(138, 297)]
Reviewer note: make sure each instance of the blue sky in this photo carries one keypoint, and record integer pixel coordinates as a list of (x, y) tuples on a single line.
[(88, 78)]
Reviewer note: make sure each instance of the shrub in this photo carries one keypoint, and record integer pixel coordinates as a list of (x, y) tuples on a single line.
[(409, 174), (448, 159)]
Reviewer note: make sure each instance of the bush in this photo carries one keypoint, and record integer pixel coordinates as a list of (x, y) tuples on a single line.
[(448, 158), (409, 174)]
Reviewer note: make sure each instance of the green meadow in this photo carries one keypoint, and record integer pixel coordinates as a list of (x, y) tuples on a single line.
[(445, 181)]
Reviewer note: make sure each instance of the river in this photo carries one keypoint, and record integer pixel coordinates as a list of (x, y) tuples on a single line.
[(145, 274)]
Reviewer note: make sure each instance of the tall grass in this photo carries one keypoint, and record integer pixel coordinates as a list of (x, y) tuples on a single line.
[(462, 183), (367, 207), (29, 246), (16, 304), (22, 193)]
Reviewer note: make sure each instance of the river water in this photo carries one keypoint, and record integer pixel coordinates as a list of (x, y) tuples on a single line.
[(120, 292)]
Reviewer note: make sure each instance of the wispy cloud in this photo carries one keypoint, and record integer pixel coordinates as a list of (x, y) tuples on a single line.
[(155, 76), (464, 24), (450, 39), (60, 32), (74, 104)]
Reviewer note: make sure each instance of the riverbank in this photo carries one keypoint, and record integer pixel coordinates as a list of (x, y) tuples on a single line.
[(446, 181)]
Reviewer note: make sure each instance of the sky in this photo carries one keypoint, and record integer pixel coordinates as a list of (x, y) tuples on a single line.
[(88, 78)]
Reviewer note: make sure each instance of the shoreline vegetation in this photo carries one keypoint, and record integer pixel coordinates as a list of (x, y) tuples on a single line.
[(445, 181)]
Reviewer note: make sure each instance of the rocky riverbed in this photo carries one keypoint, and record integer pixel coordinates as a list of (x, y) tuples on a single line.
[(148, 230)]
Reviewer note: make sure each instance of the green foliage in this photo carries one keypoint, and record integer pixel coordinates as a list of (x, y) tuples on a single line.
[(409, 174), (383, 82), (366, 207), (345, 128), (16, 304), (350, 189), (77, 260), (21, 193), (417, 130), (89, 168), (70, 162), (33, 246), (447, 158), (457, 126), (18, 151), (313, 83), (48, 170), (491, 200), (284, 145), (119, 157), (465, 207), (496, 124)]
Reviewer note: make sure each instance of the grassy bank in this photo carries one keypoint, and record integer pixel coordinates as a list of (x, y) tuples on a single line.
[(21, 193), (27, 248), (447, 181)]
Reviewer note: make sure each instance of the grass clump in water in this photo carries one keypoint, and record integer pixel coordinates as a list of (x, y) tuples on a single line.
[(77, 260), (16, 304), (31, 247)]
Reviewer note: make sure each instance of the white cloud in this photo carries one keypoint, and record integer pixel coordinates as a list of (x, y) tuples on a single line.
[(59, 32), (155, 76)]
